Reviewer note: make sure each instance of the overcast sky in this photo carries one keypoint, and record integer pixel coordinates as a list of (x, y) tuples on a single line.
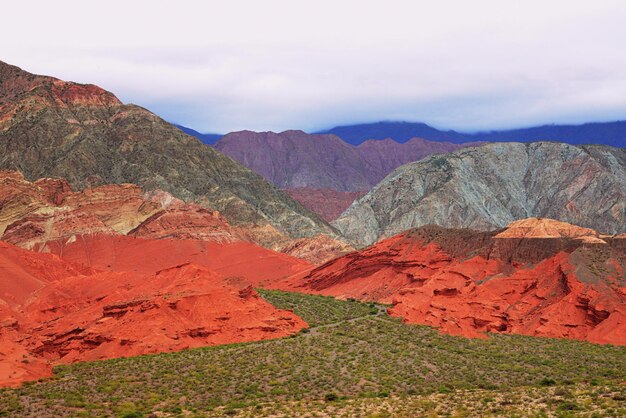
[(219, 66)]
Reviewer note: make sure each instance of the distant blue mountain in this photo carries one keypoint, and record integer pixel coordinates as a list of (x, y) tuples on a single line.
[(209, 139), (608, 133)]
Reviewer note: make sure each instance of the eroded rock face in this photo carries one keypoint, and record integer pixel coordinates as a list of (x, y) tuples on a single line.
[(468, 282), (53, 128), (491, 186), (549, 228), (316, 250), (33, 214), (53, 311)]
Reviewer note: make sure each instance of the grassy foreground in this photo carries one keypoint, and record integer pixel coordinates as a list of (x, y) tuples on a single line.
[(354, 361)]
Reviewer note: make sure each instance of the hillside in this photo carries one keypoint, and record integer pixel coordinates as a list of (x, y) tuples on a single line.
[(55, 312)]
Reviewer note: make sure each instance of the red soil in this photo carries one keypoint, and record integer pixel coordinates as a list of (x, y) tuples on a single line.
[(242, 262)]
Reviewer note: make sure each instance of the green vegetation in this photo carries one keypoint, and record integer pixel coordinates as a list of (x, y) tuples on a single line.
[(527, 401), (318, 310), (352, 361)]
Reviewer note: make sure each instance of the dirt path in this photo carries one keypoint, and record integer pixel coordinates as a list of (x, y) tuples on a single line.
[(382, 310)]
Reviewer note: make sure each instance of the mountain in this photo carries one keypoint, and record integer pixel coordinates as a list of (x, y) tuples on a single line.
[(607, 133), (399, 131), (294, 159), (321, 171), (208, 139), (53, 312), (493, 185), (82, 133), (537, 277)]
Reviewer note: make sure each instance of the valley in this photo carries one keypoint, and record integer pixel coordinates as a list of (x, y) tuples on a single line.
[(363, 363), (148, 270)]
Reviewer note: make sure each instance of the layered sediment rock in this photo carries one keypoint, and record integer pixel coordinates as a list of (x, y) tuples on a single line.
[(539, 277), (47, 214)]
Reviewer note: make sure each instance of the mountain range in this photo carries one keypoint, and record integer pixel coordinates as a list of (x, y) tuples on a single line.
[(294, 159), (607, 133), (209, 139), (300, 162)]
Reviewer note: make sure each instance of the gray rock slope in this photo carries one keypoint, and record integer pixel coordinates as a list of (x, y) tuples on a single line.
[(490, 186)]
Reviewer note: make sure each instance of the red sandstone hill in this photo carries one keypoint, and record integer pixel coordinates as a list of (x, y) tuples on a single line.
[(52, 312), (566, 283), (240, 262), (114, 271), (47, 211)]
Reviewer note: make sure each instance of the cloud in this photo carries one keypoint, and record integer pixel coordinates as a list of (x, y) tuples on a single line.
[(222, 66)]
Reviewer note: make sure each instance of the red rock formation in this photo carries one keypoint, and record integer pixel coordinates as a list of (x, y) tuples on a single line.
[(53, 312), (35, 214), (549, 228), (468, 282), (327, 203)]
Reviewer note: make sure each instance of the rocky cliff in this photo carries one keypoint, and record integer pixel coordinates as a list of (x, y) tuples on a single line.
[(493, 185)]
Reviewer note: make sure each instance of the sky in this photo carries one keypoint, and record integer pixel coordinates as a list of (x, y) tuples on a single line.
[(221, 66)]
